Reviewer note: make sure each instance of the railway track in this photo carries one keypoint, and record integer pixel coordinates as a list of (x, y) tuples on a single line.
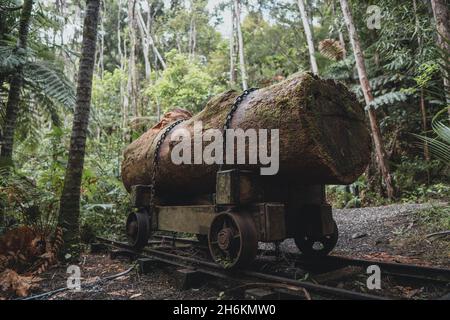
[(250, 276), (441, 275)]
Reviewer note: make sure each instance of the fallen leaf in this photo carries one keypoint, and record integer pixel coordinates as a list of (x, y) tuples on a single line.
[(11, 281)]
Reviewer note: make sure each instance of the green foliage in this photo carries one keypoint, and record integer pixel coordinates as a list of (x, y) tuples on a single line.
[(45, 77), (420, 180), (184, 84), (23, 202), (436, 218), (402, 60), (440, 144)]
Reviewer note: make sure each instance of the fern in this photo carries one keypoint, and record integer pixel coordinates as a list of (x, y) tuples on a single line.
[(331, 49), (389, 98), (11, 58), (45, 78), (341, 70)]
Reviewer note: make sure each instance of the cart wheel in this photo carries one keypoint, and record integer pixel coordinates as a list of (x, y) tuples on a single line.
[(317, 247), (232, 240), (138, 229)]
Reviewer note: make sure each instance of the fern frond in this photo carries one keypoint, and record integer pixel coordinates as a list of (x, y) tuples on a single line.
[(53, 84), (332, 49), (11, 58), (389, 99)]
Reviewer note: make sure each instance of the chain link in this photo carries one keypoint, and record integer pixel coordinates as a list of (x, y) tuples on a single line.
[(226, 126), (156, 159), (229, 117)]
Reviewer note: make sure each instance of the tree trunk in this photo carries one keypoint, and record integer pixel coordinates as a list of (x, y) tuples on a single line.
[(323, 137), (101, 66), (145, 45), (365, 85), (442, 18), (423, 111), (122, 57), (69, 211), (309, 36), (232, 50), (15, 85), (150, 41), (237, 12), (342, 42), (426, 151), (340, 33), (132, 71)]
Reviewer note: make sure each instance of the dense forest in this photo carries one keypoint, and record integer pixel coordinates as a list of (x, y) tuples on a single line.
[(81, 80)]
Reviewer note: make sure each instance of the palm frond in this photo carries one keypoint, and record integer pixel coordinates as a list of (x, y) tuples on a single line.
[(45, 78), (439, 146)]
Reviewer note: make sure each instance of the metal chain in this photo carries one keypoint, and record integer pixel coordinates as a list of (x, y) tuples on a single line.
[(229, 117), (226, 126), (156, 158)]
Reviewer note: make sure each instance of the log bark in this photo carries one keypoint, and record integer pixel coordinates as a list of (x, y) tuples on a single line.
[(323, 137)]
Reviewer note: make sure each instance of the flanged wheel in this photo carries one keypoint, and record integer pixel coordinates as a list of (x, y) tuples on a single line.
[(232, 239), (315, 247), (138, 229)]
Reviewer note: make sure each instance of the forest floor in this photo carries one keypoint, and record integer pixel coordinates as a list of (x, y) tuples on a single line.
[(395, 232), (391, 233)]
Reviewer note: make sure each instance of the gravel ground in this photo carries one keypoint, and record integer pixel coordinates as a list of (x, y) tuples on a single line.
[(369, 230)]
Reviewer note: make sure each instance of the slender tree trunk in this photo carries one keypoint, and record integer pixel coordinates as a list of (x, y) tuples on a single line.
[(151, 41), (237, 12), (442, 18), (69, 211), (232, 50), (145, 45), (309, 36), (194, 39), (101, 66), (15, 85), (423, 111), (132, 71), (191, 34), (365, 85), (340, 33), (342, 42), (123, 95)]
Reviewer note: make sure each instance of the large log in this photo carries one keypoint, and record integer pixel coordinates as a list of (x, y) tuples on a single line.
[(323, 137)]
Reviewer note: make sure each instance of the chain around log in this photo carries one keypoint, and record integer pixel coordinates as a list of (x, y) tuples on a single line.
[(156, 159), (226, 126), (229, 117)]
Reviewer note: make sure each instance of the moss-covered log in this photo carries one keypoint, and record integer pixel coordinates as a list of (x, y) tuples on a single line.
[(323, 137)]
